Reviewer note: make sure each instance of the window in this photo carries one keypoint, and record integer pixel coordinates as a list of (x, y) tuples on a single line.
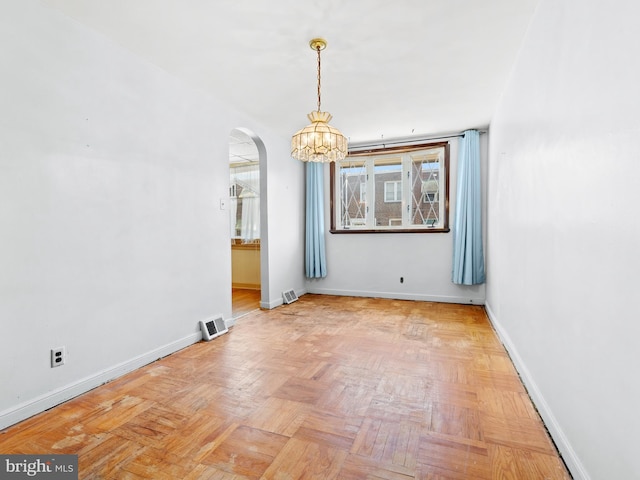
[(391, 190), (244, 205), (430, 189)]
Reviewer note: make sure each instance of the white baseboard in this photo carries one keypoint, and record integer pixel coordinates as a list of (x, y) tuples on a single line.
[(400, 296), (569, 455), (51, 399), (279, 301), (272, 304)]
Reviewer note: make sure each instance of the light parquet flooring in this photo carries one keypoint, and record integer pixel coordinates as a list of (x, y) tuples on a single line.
[(326, 387), (244, 301)]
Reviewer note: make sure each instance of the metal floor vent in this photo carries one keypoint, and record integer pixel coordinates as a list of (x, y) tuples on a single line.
[(212, 328), (289, 296)]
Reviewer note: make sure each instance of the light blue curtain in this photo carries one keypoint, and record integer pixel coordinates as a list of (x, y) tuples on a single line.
[(468, 257), (315, 257)]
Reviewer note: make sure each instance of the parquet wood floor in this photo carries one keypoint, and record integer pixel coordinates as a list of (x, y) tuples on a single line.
[(244, 301), (326, 387)]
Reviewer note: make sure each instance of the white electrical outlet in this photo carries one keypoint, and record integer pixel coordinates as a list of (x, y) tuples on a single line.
[(58, 356)]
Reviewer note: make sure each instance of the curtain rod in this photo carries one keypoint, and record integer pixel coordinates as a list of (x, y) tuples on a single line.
[(408, 140)]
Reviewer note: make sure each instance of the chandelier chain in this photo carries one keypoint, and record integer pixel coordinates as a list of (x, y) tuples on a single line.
[(318, 50)]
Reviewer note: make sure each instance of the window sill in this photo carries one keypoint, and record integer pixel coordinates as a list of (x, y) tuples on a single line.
[(393, 230), (238, 245)]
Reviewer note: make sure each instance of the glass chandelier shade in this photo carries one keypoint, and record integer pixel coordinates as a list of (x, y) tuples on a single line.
[(319, 141)]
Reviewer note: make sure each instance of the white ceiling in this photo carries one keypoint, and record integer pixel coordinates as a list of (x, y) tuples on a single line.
[(242, 148), (391, 69)]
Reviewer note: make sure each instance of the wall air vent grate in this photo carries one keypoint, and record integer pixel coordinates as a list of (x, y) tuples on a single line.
[(289, 296), (212, 328)]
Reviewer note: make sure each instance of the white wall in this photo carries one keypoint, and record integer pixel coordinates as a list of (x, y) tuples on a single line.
[(112, 240), (563, 231), (371, 265)]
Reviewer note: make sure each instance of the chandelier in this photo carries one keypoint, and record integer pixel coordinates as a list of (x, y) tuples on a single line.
[(319, 141)]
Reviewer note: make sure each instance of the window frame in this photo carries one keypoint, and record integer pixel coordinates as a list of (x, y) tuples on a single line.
[(397, 192), (235, 194), (334, 203)]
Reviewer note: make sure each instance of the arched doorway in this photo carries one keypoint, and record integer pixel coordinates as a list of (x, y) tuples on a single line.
[(247, 219)]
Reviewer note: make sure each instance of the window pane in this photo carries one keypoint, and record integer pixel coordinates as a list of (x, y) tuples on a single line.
[(245, 202), (425, 188), (393, 191), (398, 189), (388, 191), (353, 193)]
